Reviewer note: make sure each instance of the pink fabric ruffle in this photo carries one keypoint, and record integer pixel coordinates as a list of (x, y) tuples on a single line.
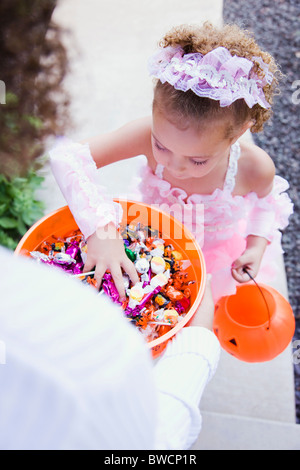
[(221, 222), (270, 213)]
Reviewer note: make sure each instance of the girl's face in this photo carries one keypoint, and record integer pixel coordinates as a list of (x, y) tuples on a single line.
[(189, 153)]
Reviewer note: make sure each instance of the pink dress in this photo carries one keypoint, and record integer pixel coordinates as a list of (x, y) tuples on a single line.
[(221, 221)]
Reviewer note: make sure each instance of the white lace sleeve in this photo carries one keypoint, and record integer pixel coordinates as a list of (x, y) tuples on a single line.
[(76, 174), (270, 213)]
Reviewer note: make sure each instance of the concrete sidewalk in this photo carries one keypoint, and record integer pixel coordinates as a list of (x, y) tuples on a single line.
[(109, 46)]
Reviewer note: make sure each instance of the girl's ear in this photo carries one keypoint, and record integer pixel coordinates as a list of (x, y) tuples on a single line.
[(247, 125)]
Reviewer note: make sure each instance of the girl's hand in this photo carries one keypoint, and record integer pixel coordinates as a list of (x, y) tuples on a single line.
[(250, 259), (105, 251)]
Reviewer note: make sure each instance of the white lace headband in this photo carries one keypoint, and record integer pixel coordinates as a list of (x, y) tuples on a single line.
[(216, 75)]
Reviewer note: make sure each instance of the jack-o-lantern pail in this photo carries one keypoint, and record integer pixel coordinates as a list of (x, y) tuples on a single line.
[(256, 324)]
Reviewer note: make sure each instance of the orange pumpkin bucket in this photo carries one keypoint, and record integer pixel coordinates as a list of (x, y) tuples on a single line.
[(256, 324), (61, 222)]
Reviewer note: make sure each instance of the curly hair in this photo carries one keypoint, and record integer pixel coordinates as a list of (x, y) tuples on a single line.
[(203, 39), (33, 64)]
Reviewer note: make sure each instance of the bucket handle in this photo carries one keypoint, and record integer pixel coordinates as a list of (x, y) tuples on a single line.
[(266, 303)]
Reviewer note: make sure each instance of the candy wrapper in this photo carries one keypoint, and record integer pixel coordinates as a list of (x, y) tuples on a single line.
[(162, 296)]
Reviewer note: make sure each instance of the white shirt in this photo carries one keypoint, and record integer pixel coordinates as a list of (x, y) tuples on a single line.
[(74, 374)]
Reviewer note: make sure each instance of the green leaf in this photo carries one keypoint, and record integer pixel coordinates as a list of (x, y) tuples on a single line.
[(4, 199), (21, 227), (8, 222), (3, 208), (28, 218), (7, 241), (35, 181), (19, 181), (18, 207)]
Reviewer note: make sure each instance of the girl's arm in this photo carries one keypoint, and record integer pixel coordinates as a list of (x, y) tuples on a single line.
[(257, 174), (74, 167), (128, 141), (271, 208), (250, 260)]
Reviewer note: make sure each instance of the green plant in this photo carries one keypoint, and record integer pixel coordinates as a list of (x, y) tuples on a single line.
[(18, 207)]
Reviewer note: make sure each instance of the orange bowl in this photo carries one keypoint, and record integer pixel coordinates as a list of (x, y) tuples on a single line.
[(61, 221)]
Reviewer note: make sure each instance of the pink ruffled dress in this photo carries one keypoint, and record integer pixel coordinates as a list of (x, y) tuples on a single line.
[(221, 221)]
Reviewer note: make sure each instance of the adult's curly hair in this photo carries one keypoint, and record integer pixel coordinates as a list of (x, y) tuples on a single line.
[(203, 39), (33, 65)]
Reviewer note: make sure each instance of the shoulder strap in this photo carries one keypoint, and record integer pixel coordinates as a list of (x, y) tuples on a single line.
[(159, 171), (235, 153)]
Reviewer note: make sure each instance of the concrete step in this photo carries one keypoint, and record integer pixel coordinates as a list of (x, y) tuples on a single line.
[(227, 432), (258, 390)]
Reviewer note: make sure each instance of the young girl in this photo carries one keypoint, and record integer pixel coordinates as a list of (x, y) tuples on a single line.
[(212, 85)]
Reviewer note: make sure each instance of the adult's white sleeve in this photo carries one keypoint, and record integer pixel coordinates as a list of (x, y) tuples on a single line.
[(181, 375), (75, 375)]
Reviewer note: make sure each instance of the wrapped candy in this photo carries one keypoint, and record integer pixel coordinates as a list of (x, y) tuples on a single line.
[(142, 266), (73, 250), (58, 246), (159, 280), (162, 296), (149, 296), (174, 294), (110, 289), (171, 316), (158, 265), (136, 294), (63, 259), (131, 255), (161, 300), (39, 256), (182, 305)]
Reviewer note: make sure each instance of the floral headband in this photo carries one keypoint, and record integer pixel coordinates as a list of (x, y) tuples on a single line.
[(216, 75)]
